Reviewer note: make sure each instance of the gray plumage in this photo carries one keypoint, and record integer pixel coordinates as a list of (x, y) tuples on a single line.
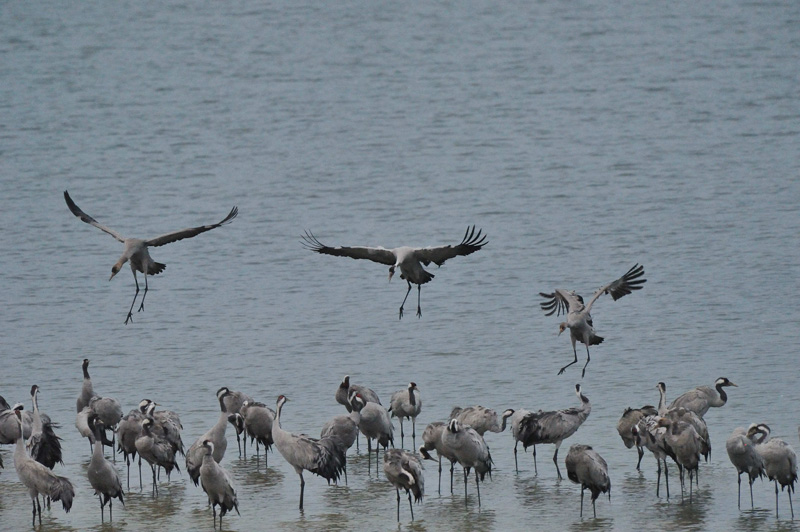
[(553, 427), (44, 445), (258, 419), (686, 444), (404, 404), (403, 470), (516, 425), (233, 405), (432, 440), (166, 424), (136, 249), (481, 419), (700, 399), (629, 419), (744, 457), (408, 259), (579, 320), (216, 435), (156, 450), (102, 474), (780, 461), (587, 468), (9, 426), (87, 391), (470, 450), (218, 484), (346, 390), (128, 430), (376, 425), (698, 424), (344, 429), (39, 479), (322, 457)]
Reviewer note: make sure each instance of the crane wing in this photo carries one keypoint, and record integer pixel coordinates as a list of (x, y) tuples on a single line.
[(381, 255), (621, 287), (469, 244), (88, 219), (190, 232), (561, 302)]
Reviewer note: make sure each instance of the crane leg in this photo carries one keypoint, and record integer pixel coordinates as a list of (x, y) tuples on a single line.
[(641, 455), (410, 506), (658, 478), (739, 493), (582, 490), (666, 476), (419, 295), (588, 359), (594, 509), (535, 467), (789, 494), (571, 363), (144, 295), (102, 507), (452, 466), (516, 465), (440, 474), (555, 461), (478, 487), (404, 299), (751, 495), (465, 486), (398, 503), (130, 311), (302, 488)]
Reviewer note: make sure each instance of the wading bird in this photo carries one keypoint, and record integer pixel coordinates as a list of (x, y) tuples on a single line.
[(432, 439), (218, 485), (407, 404), (37, 478), (700, 399), (587, 468), (481, 419), (403, 470), (216, 435), (780, 461), (408, 259), (744, 457), (470, 450), (136, 249), (579, 321), (553, 427), (102, 474), (322, 457)]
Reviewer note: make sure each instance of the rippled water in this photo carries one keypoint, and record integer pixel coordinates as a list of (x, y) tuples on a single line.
[(583, 137)]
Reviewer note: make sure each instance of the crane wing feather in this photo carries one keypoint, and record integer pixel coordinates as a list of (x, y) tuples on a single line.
[(174, 236), (471, 243), (381, 255), (88, 219)]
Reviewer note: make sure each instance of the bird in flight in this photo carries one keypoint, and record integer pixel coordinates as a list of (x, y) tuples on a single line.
[(409, 260), (579, 321), (136, 251)]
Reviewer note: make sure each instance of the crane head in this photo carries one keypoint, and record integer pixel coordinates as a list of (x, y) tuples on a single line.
[(391, 272), (562, 327)]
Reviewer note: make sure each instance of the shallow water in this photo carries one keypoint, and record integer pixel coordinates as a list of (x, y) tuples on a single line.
[(582, 138)]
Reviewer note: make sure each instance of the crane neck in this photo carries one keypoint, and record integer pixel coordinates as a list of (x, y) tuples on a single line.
[(412, 400), (722, 395)]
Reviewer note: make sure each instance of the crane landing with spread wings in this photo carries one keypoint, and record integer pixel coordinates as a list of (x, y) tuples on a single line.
[(408, 259), (579, 321), (136, 251)]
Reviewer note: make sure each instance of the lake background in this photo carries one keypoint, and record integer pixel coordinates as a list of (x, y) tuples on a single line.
[(582, 137)]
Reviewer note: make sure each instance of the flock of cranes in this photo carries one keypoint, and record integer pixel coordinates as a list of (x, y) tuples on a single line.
[(409, 260), (677, 431)]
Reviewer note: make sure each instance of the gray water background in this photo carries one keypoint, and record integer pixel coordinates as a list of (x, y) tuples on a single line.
[(582, 137)]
